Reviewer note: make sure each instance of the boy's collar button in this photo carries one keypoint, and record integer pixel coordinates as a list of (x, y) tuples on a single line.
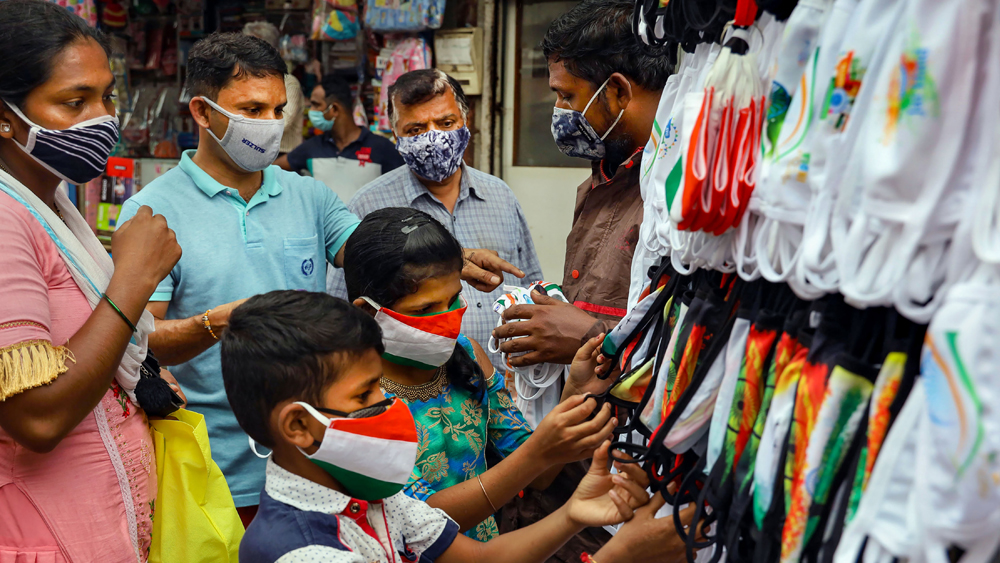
[(355, 508)]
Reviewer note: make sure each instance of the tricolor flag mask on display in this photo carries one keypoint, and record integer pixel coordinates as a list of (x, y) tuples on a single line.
[(424, 341), (387, 435)]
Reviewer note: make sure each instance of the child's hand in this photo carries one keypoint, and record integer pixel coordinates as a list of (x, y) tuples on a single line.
[(565, 435), (603, 499), (587, 365), (634, 472)]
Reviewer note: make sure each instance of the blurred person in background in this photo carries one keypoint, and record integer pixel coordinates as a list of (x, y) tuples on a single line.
[(331, 111), (292, 136), (77, 462)]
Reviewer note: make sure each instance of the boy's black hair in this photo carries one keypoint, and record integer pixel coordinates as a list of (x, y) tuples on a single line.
[(217, 60), (390, 254), (594, 40), (277, 347)]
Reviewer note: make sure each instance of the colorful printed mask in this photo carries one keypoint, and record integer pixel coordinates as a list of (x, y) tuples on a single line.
[(434, 155)]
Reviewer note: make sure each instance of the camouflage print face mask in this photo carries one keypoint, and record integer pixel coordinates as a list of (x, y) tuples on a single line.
[(575, 136), (434, 155)]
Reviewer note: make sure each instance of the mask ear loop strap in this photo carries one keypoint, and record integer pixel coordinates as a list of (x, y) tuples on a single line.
[(591, 102), (230, 116), (253, 448), (371, 302), (325, 421), (33, 129), (594, 97)]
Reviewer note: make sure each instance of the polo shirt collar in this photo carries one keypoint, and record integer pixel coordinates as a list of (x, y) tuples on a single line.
[(328, 136), (414, 189), (210, 186), (301, 493)]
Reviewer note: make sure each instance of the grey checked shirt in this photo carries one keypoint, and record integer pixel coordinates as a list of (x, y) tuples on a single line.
[(486, 215)]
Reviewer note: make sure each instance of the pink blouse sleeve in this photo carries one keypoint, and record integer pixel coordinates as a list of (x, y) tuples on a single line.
[(27, 357)]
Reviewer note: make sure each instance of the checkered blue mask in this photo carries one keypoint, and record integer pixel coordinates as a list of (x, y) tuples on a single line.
[(434, 155)]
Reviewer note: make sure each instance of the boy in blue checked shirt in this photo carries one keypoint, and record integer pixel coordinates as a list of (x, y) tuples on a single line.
[(302, 371)]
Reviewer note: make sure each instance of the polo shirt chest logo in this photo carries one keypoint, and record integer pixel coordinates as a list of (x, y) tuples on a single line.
[(364, 155), (308, 266)]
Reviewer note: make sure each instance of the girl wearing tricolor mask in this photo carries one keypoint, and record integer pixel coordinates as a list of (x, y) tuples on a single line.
[(403, 267)]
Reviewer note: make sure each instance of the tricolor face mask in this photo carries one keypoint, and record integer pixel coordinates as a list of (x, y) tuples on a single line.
[(422, 341), (253, 144), (386, 433), (76, 155)]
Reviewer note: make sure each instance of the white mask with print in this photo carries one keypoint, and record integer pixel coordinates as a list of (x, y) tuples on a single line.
[(253, 144)]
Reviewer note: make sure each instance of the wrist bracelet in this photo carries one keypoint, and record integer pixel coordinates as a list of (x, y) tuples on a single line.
[(483, 487), (119, 311), (208, 324)]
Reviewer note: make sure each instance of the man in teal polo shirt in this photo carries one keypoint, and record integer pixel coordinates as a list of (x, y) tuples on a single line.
[(245, 227)]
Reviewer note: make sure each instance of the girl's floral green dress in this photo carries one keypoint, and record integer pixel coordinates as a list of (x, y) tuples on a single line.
[(454, 430)]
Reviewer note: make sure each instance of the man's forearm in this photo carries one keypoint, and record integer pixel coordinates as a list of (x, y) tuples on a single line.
[(177, 341)]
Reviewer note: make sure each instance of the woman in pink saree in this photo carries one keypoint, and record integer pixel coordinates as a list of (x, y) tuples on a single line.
[(77, 465)]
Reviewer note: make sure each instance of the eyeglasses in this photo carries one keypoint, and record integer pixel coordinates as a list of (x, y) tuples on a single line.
[(364, 412)]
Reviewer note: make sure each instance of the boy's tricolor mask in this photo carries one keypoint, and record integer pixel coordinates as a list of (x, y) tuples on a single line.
[(372, 453), (424, 341)]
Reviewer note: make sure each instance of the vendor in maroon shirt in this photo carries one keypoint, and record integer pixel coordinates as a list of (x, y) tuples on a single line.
[(332, 105), (607, 91)]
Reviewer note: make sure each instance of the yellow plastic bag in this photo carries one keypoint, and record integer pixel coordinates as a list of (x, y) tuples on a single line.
[(195, 519)]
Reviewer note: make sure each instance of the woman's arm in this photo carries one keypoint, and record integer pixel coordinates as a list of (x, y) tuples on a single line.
[(145, 251)]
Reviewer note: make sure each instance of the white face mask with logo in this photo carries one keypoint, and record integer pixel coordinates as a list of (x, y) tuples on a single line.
[(253, 144)]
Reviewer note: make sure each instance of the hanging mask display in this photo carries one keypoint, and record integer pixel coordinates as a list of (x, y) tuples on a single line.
[(386, 433), (253, 144), (575, 136), (423, 341), (809, 428), (75, 155)]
